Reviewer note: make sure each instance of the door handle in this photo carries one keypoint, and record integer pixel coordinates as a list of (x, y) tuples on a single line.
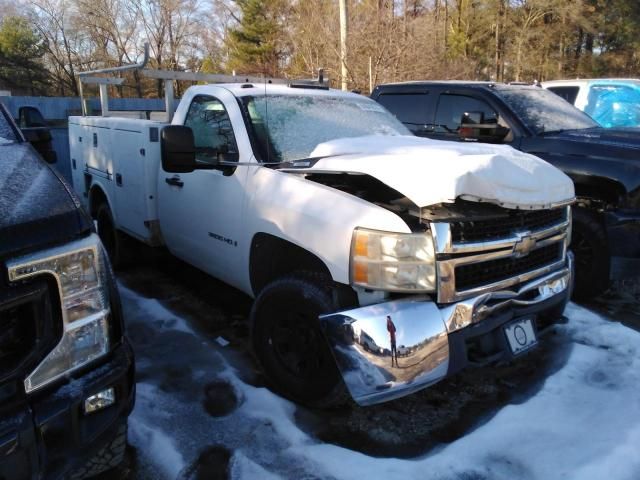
[(175, 181)]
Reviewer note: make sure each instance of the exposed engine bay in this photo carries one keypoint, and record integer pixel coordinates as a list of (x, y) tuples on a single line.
[(461, 211)]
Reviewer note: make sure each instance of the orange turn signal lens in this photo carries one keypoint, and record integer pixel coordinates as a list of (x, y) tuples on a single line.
[(362, 245), (360, 273)]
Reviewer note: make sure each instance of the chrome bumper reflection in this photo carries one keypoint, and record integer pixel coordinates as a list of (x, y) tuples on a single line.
[(361, 341)]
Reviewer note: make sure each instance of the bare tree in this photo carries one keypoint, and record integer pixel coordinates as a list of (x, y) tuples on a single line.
[(63, 41)]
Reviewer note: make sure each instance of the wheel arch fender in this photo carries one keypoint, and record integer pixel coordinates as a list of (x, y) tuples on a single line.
[(271, 257), (315, 218), (600, 188), (97, 195)]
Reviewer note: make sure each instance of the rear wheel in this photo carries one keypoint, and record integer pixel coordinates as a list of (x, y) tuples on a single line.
[(289, 343), (118, 245), (591, 250)]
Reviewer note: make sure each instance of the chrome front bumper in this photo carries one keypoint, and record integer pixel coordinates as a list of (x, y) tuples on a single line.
[(361, 343)]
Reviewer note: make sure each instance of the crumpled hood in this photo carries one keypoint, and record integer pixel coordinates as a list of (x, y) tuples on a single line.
[(429, 172)]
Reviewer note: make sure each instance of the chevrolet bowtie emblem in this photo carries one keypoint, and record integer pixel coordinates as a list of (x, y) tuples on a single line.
[(524, 245)]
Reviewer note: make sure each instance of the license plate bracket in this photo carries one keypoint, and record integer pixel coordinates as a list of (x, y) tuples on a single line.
[(521, 335)]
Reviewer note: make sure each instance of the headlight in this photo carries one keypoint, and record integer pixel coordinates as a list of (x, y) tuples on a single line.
[(80, 273), (400, 262)]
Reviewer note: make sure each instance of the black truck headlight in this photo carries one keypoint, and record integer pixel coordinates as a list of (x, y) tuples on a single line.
[(80, 272)]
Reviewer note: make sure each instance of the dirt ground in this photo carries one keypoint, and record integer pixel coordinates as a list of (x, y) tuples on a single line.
[(408, 427)]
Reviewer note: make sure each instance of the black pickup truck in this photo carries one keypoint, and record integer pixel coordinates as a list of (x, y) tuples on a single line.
[(66, 368), (603, 163)]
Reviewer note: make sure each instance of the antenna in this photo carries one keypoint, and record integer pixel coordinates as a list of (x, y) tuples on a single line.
[(266, 115)]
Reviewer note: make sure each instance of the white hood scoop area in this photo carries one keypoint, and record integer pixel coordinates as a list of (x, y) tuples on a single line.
[(429, 172)]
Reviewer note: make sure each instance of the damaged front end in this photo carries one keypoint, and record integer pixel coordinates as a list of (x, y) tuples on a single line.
[(497, 271)]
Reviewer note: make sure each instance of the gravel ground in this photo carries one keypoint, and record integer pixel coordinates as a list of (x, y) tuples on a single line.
[(404, 428)]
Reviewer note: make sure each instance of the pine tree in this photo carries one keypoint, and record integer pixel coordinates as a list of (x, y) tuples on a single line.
[(21, 51), (258, 44)]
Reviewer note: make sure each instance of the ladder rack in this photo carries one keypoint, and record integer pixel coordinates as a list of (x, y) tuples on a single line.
[(168, 76)]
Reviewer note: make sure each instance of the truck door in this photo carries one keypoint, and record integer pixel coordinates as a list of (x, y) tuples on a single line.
[(201, 212)]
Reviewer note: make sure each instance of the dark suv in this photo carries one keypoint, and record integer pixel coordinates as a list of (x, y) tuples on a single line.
[(66, 369), (603, 163)]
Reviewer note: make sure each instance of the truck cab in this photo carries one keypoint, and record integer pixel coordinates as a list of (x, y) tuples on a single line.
[(66, 368), (323, 207)]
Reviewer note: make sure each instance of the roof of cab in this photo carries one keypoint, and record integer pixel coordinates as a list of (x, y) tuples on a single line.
[(253, 89), (458, 83)]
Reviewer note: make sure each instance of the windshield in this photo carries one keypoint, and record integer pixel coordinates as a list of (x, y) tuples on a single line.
[(543, 111), (7, 134), (289, 127)]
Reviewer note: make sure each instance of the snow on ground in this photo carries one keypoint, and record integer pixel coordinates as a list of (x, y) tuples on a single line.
[(583, 423), (161, 317)]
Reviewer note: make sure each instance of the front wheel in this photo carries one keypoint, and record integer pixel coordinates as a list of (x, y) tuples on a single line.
[(591, 250), (289, 343)]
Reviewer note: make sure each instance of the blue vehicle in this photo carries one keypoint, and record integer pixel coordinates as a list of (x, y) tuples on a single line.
[(610, 102)]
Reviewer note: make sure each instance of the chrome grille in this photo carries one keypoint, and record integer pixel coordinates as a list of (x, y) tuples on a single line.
[(512, 221), (517, 250), (478, 274)]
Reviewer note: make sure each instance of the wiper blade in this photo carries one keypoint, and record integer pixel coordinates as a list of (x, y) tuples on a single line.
[(550, 132), (298, 163)]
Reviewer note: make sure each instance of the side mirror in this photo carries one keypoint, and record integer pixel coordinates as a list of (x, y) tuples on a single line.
[(472, 118), (178, 149), (474, 126), (36, 131), (30, 117)]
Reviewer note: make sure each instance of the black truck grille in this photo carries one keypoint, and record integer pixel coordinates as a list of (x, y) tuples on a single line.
[(505, 225), (484, 273), (30, 326), (17, 334)]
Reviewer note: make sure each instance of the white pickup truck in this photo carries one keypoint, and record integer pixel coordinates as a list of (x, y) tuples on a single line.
[(348, 231)]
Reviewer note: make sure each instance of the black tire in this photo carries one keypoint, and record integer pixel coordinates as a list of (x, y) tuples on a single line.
[(289, 344), (118, 246), (591, 250), (108, 457)]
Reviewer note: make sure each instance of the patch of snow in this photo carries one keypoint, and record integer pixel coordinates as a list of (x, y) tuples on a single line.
[(222, 341), (159, 315), (5, 141), (147, 437), (243, 467), (261, 403)]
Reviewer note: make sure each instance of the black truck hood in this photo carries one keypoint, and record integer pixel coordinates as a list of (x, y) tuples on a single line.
[(37, 207), (624, 138)]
